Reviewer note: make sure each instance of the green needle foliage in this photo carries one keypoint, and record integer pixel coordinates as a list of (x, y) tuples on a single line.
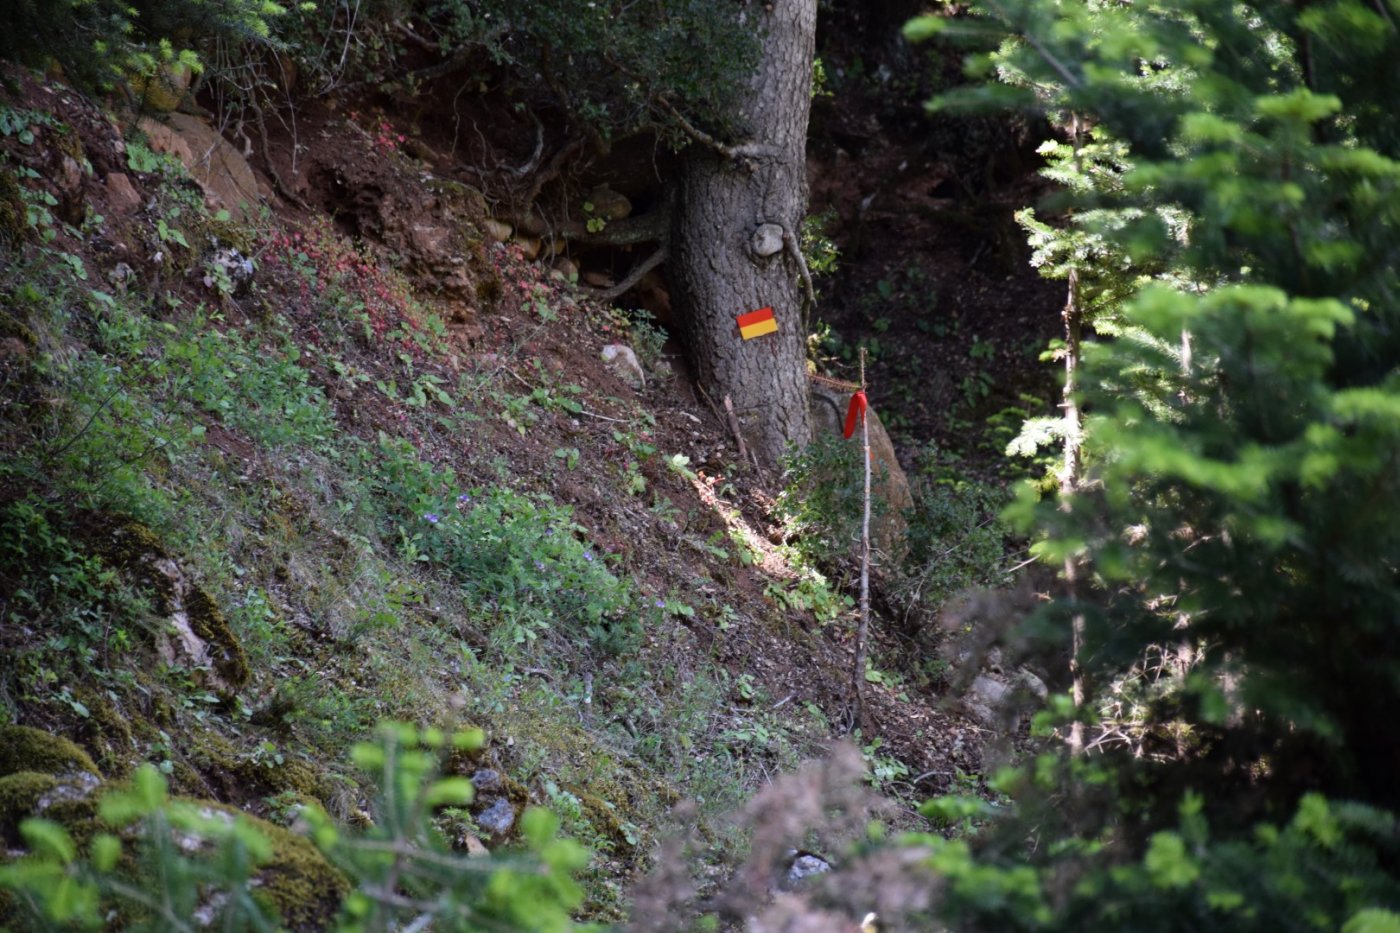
[(99, 41), (1241, 468), (616, 67)]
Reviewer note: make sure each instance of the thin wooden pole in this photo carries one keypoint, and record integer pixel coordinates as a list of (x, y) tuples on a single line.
[(862, 631)]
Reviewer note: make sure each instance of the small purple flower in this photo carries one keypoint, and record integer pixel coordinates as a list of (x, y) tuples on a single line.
[(463, 499), (661, 604), (587, 555), (539, 565), (430, 517)]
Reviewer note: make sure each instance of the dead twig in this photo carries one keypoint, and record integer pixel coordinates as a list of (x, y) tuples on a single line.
[(633, 277)]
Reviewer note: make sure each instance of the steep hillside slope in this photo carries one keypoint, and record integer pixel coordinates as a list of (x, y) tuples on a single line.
[(273, 476)]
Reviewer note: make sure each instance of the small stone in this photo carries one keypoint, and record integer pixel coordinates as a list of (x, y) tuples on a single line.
[(566, 267), (767, 240), (623, 361), (487, 781), (497, 819), (609, 204), (804, 866), (70, 175), (530, 246), (122, 198)]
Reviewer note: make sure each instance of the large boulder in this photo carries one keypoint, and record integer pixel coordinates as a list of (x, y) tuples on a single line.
[(221, 170)]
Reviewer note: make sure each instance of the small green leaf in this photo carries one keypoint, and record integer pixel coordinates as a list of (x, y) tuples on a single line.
[(452, 791), (924, 27), (106, 852), (49, 840)]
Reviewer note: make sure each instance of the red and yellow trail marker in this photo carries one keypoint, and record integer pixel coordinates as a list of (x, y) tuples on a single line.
[(757, 323)]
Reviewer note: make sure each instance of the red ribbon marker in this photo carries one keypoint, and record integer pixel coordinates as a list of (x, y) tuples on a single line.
[(855, 410)]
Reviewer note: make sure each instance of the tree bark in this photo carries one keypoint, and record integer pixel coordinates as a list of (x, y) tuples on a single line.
[(1069, 481), (716, 275)]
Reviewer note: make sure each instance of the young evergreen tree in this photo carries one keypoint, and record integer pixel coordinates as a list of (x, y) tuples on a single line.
[(1235, 522)]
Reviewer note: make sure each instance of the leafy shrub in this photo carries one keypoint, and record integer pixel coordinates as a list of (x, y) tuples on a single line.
[(520, 558), (613, 63), (821, 501)]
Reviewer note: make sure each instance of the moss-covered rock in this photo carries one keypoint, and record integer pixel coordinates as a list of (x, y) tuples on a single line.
[(209, 623), (304, 888), (606, 822), (236, 775), (26, 749), (129, 546), (108, 732), (69, 801), (14, 222)]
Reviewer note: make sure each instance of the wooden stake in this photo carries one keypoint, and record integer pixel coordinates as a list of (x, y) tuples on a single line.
[(858, 672)]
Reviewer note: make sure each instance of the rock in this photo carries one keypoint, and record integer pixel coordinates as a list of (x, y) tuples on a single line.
[(26, 749), (487, 781), (996, 702), (529, 245), (199, 636), (221, 170), (122, 198), (69, 178), (623, 361), (496, 230), (609, 204), (497, 819), (163, 91), (566, 267), (1032, 684), (67, 800), (432, 240), (297, 880), (598, 279), (989, 691), (233, 268), (767, 240), (804, 865), (164, 140), (888, 481)]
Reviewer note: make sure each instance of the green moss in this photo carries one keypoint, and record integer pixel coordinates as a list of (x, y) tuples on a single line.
[(208, 622), (605, 822), (107, 731), (19, 797), (26, 749), (127, 545), (14, 222), (298, 882), (235, 775), (68, 802)]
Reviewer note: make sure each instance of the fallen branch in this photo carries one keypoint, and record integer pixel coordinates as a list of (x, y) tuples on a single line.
[(633, 277)]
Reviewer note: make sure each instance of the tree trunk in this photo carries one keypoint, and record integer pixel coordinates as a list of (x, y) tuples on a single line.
[(1069, 481), (717, 273)]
